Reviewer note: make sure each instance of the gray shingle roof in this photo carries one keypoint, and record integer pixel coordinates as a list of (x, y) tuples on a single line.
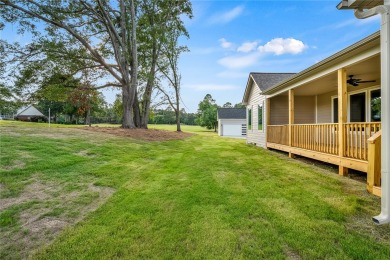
[(231, 113), (267, 80)]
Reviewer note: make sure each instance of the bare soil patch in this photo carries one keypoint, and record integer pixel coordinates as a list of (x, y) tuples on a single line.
[(53, 210), (141, 134)]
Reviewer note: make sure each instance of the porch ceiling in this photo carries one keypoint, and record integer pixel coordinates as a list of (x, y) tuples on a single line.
[(365, 70)]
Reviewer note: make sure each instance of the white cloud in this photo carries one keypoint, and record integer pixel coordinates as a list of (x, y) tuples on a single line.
[(216, 87), (225, 44), (247, 47), (281, 46), (236, 62), (226, 17)]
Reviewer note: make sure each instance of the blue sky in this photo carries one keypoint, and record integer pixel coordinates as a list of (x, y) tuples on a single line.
[(230, 39)]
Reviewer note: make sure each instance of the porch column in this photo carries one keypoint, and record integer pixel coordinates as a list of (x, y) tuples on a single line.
[(290, 118), (342, 116)]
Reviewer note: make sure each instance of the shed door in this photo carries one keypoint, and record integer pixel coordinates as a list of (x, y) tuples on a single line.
[(231, 130)]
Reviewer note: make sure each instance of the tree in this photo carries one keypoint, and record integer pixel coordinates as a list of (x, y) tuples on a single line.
[(106, 36), (96, 33), (227, 105), (239, 105), (207, 113), (169, 68), (8, 103), (117, 106), (161, 26), (83, 98)]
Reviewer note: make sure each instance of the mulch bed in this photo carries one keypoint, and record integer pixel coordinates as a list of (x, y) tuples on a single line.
[(141, 134)]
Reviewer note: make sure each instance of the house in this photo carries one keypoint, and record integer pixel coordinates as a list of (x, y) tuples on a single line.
[(328, 112), (231, 122), (29, 113), (255, 102)]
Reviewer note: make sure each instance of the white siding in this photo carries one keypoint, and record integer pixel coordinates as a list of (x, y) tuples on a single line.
[(30, 111), (255, 136)]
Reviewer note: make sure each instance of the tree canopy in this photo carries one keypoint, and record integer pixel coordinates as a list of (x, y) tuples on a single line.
[(116, 41), (207, 113)]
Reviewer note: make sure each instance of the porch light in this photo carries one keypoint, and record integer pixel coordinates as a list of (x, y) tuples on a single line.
[(364, 9)]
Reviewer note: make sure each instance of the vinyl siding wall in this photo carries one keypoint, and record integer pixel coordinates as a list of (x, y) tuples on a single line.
[(305, 109), (324, 107), (279, 110), (255, 136)]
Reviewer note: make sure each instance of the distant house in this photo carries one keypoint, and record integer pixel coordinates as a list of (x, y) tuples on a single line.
[(29, 113), (231, 122)]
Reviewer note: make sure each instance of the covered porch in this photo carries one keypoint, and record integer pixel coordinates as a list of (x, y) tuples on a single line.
[(321, 116)]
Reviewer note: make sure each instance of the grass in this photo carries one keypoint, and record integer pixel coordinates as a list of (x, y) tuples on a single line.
[(202, 197)]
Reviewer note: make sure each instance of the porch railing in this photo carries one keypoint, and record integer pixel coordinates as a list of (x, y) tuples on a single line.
[(356, 137), (324, 137), (317, 137), (277, 134)]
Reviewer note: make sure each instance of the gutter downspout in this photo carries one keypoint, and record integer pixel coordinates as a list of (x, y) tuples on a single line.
[(384, 11)]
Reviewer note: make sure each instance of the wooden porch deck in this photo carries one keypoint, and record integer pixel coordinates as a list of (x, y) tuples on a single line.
[(322, 142)]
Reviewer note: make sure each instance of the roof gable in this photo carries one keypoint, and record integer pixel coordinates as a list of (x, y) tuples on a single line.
[(263, 81), (29, 111), (231, 113)]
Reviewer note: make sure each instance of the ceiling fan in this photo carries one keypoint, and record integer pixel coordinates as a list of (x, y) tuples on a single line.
[(355, 82)]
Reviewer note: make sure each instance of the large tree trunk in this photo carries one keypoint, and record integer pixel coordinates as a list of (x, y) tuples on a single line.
[(134, 64), (178, 127), (127, 101), (137, 112), (149, 88), (88, 118), (177, 110)]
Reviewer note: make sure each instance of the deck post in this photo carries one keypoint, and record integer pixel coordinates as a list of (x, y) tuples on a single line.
[(342, 114), (374, 161), (290, 118), (267, 120)]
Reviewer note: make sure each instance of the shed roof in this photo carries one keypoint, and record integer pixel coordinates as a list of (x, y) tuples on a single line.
[(264, 80), (29, 110), (231, 113)]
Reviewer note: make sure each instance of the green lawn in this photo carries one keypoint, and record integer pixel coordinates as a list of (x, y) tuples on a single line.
[(201, 197)]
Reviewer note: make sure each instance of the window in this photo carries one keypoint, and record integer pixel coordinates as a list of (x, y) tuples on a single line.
[(362, 107), (260, 117), (357, 107), (249, 115), (375, 105), (335, 110)]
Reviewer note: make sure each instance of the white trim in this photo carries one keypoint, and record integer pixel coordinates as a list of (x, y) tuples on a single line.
[(369, 101), (262, 117), (367, 91)]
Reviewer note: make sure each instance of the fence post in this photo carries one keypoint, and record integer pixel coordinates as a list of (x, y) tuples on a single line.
[(374, 161)]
